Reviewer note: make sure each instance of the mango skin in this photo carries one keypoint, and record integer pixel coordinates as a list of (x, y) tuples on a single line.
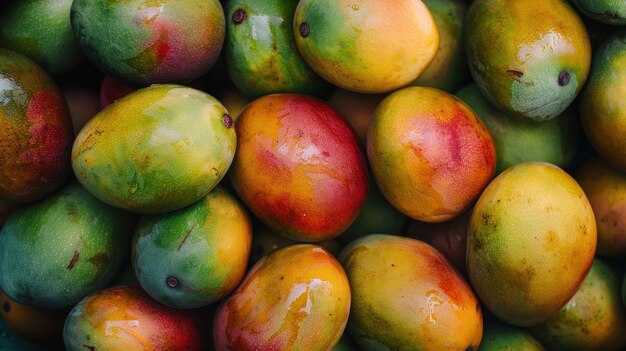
[(499, 336), (594, 319), (517, 51), (366, 46), (126, 318), (35, 131), (56, 251), (146, 42), (429, 153), (261, 54), (602, 104), (407, 296), (531, 241), (520, 140), (299, 167), (296, 298), (46, 39), (156, 150), (611, 12), (205, 247), (448, 70)]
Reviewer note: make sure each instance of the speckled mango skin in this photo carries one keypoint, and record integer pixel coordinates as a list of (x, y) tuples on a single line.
[(261, 53), (146, 42), (602, 104), (531, 241), (204, 246), (57, 251), (126, 318), (594, 319), (156, 150), (499, 336), (449, 67), (299, 167), (35, 131), (429, 153), (296, 298), (516, 51), (407, 296), (605, 11), (41, 30), (605, 187), (367, 46), (520, 140)]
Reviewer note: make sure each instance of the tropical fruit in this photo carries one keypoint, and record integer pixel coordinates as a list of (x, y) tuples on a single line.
[(157, 150), (261, 53), (126, 318), (367, 46), (299, 167), (529, 57), (604, 11), (429, 153), (41, 30), (502, 337), (296, 298), (194, 256), (531, 242), (35, 131), (56, 251), (603, 106), (145, 42), (407, 296)]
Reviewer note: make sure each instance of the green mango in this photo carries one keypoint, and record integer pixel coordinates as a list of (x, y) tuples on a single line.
[(604, 11), (261, 53), (56, 251), (499, 336)]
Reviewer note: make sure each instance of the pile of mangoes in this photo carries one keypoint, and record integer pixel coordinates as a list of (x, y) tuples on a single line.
[(298, 175)]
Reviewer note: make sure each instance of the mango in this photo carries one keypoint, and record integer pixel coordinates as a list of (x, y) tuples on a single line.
[(531, 241), (296, 298), (499, 336), (605, 11)]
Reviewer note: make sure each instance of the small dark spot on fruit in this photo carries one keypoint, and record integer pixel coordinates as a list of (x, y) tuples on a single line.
[(239, 16), (281, 278), (227, 120), (393, 265), (6, 306), (90, 348), (304, 29), (564, 78), (172, 282)]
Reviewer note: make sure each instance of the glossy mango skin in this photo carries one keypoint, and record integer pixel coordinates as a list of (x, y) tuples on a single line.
[(602, 104), (499, 336), (194, 256), (407, 296), (35, 131), (58, 250), (261, 53), (296, 298), (429, 153), (126, 318), (594, 319), (366, 46), (531, 241), (449, 67), (605, 11), (146, 42), (518, 50), (605, 187), (299, 167), (46, 39), (156, 150), (521, 140)]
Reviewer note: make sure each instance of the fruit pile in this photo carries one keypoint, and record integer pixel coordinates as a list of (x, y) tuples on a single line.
[(298, 175)]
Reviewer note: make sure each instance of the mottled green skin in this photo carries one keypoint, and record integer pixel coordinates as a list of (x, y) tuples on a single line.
[(604, 11), (12, 342), (602, 104), (377, 216), (520, 140), (449, 70), (498, 336), (205, 246), (55, 252), (261, 53), (41, 30), (594, 319), (146, 42), (517, 50), (157, 150)]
